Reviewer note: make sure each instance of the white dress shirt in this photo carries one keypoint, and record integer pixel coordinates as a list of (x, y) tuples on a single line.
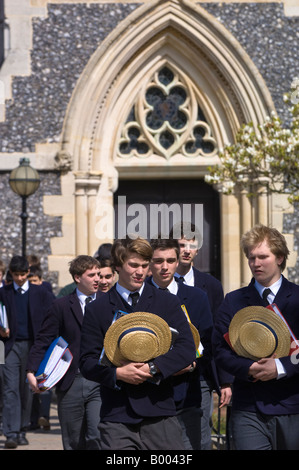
[(23, 288), (172, 287), (274, 289), (188, 278), (82, 297), (125, 293)]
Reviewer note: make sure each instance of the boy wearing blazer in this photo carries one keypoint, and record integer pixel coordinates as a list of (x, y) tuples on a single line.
[(78, 399), (26, 305), (265, 403), (187, 384), (136, 413)]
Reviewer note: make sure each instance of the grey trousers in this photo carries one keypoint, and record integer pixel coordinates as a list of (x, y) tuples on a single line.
[(151, 434), (79, 415), (17, 396), (206, 420), (190, 422), (254, 431)]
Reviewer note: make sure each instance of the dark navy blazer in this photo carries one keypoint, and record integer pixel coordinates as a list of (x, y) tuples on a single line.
[(122, 402), (64, 319), (216, 376), (187, 386), (40, 299), (272, 397), (211, 286)]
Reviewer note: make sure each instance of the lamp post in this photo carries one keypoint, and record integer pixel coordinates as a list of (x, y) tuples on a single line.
[(24, 181)]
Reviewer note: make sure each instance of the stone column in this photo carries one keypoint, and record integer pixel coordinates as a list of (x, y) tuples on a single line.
[(86, 189), (263, 205), (104, 211), (246, 217), (230, 242)]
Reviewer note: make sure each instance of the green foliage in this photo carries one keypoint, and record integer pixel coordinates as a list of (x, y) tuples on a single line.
[(266, 156)]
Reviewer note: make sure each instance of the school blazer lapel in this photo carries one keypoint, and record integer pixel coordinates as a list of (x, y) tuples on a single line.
[(145, 300), (283, 295), (182, 294), (76, 307), (251, 294)]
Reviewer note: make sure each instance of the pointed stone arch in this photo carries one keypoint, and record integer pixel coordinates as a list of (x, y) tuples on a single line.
[(178, 32), (229, 88)]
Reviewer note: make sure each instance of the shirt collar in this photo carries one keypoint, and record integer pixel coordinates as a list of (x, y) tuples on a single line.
[(24, 287), (274, 287), (172, 287), (188, 278), (125, 292), (82, 297)]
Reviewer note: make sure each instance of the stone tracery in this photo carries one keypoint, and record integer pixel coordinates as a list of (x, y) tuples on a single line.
[(166, 119)]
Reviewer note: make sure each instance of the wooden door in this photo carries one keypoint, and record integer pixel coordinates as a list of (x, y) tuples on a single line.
[(146, 193)]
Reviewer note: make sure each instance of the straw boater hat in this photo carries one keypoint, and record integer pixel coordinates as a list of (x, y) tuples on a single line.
[(257, 332), (137, 337)]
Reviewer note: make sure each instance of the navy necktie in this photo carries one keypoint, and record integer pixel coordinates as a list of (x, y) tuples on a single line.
[(266, 292), (135, 297)]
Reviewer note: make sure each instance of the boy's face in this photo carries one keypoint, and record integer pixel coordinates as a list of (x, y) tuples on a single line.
[(188, 251), (264, 265), (163, 266), (133, 272), (35, 280), (107, 279), (19, 277), (88, 282)]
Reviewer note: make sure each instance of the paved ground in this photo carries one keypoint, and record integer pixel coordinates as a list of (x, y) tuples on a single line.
[(40, 439)]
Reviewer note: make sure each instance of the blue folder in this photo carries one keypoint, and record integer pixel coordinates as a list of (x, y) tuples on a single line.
[(51, 357)]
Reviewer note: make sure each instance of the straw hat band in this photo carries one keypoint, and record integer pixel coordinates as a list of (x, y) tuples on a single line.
[(266, 326), (132, 330)]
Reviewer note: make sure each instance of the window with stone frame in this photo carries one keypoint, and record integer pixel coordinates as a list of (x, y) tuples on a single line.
[(167, 120)]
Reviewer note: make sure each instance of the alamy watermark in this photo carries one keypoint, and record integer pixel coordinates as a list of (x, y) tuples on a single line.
[(294, 352), (151, 220)]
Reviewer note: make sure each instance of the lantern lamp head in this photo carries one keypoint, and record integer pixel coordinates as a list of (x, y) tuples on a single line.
[(24, 180)]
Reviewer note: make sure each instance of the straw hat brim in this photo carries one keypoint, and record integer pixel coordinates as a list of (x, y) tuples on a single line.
[(137, 337), (196, 335), (256, 332)]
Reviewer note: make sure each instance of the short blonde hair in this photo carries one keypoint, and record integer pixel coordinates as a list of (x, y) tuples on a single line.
[(276, 241), (123, 248)]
